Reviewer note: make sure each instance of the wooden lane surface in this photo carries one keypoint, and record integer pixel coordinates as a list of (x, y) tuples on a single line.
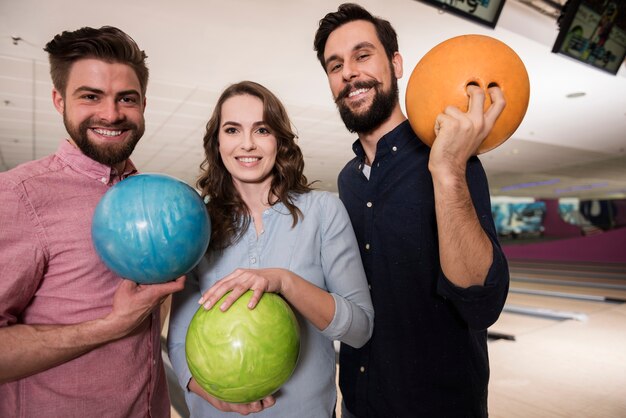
[(607, 280), (606, 269), (562, 368)]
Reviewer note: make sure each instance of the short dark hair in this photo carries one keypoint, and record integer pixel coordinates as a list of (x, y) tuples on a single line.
[(349, 12), (107, 43)]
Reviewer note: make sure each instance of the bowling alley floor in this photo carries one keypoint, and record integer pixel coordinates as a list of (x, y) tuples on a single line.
[(566, 356), (561, 351)]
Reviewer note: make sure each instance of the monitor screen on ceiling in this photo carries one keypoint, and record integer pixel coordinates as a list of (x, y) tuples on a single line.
[(593, 32), (485, 12)]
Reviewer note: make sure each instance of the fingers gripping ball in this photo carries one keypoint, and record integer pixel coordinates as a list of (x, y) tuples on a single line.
[(243, 355), (151, 228), (441, 78)]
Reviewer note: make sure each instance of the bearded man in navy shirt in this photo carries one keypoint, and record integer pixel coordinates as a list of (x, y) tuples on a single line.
[(422, 217)]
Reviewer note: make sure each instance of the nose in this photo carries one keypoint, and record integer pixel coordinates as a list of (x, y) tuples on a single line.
[(110, 111), (349, 71), (248, 143)]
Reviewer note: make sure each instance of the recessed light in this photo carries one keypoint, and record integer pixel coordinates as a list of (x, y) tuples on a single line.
[(575, 94)]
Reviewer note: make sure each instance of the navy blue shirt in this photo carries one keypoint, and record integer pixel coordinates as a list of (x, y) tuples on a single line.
[(428, 353)]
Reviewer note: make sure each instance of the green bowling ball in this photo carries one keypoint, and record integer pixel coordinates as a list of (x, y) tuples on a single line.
[(242, 355)]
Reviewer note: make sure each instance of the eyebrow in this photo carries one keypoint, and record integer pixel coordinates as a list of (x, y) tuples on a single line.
[(99, 91), (357, 47), (258, 123)]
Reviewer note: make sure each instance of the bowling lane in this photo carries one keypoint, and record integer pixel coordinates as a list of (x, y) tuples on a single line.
[(515, 324), (570, 369), (556, 304), (596, 270), (574, 288)]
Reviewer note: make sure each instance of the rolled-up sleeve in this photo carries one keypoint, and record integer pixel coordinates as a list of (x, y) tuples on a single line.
[(353, 321), (480, 306)]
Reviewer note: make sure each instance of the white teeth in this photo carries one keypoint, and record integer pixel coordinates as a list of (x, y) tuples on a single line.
[(248, 159), (358, 91), (107, 132)]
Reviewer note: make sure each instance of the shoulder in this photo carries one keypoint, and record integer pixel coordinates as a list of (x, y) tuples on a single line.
[(23, 173), (351, 167), (317, 199)]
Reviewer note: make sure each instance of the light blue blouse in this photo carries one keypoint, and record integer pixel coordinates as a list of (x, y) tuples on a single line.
[(322, 249)]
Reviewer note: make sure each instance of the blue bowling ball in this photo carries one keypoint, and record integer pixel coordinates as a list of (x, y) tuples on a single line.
[(151, 228)]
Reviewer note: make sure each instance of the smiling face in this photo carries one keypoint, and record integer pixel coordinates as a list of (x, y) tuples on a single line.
[(362, 79), (247, 145), (102, 109)]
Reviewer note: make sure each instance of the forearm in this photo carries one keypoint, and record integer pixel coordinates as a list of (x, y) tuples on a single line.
[(315, 304), (30, 349), (465, 250)]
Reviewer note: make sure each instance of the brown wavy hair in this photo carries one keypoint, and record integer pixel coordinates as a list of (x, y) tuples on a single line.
[(229, 214)]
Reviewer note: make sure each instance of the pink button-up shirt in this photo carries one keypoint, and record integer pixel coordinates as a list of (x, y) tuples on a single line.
[(51, 274)]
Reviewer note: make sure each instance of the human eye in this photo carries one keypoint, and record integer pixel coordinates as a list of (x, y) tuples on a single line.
[(334, 67), (89, 97), (263, 131), (129, 99), (230, 130), (362, 56)]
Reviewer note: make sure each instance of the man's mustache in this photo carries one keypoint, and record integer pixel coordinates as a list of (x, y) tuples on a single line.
[(355, 86)]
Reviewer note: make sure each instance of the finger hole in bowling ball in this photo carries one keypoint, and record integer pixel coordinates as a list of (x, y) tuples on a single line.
[(492, 84)]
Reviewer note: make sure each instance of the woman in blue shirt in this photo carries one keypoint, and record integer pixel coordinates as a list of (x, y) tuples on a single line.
[(272, 233)]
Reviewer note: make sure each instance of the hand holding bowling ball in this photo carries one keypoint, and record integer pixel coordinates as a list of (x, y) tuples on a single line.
[(242, 355), (151, 228), (442, 76)]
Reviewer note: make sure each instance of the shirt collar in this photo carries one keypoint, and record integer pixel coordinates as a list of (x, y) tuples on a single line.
[(73, 156), (391, 142)]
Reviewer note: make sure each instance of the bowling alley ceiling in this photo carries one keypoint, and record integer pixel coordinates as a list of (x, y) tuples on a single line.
[(572, 142)]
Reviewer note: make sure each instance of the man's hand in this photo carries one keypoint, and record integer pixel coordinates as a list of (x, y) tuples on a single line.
[(460, 134), (133, 303)]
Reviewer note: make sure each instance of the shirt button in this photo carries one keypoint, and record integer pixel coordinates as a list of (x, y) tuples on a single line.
[(369, 286), (362, 369), (253, 260), (368, 204), (367, 246), (103, 180), (394, 148)]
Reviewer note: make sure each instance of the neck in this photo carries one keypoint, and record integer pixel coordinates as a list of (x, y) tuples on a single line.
[(369, 140), (119, 167), (256, 196)]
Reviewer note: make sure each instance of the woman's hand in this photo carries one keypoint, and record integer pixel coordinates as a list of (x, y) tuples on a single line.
[(240, 281), (241, 408)]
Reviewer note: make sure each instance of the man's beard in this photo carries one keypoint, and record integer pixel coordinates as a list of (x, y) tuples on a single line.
[(379, 111), (108, 154)]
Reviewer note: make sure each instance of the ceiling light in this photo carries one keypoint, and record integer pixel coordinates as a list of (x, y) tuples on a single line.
[(531, 184), (581, 188), (575, 94)]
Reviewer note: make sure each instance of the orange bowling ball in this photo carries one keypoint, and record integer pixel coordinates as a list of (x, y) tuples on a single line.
[(441, 77)]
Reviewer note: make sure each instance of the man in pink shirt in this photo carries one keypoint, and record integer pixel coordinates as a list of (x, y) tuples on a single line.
[(75, 339)]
